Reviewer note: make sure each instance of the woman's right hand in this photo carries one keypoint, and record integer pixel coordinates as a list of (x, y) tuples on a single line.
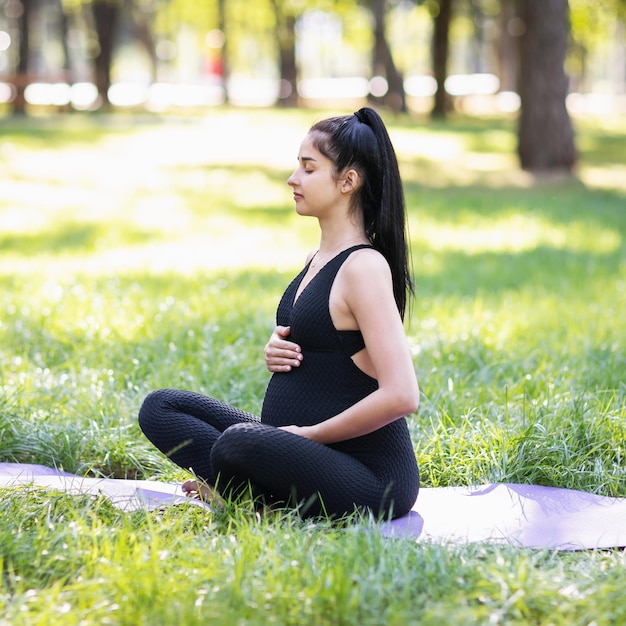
[(280, 354)]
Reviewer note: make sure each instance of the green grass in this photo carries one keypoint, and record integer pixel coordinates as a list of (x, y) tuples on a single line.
[(141, 253)]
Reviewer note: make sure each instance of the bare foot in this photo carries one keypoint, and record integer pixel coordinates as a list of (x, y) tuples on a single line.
[(201, 491)]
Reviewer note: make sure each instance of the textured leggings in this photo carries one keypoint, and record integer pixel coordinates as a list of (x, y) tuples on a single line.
[(234, 451)]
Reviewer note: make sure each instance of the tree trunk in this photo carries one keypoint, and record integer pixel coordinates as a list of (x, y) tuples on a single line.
[(286, 40), (546, 136), (383, 63), (224, 61), (478, 62), (142, 31), (23, 62), (441, 45), (508, 46), (63, 35), (67, 62), (105, 15)]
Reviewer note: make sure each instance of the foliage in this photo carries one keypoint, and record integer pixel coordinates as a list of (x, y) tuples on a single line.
[(140, 253), (590, 21), (592, 24)]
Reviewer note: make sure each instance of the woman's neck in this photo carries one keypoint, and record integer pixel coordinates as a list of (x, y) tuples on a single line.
[(341, 234), (334, 244)]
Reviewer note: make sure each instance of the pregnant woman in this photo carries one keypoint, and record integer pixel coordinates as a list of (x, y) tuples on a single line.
[(332, 437)]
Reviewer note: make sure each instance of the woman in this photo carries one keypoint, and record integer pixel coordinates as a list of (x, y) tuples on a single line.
[(332, 437)]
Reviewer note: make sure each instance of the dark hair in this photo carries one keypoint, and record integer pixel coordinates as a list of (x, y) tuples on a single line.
[(360, 141)]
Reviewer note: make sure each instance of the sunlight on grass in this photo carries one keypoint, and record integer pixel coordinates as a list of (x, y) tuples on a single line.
[(437, 147), (178, 198), (442, 159), (516, 232), (610, 176), (139, 253), (169, 185)]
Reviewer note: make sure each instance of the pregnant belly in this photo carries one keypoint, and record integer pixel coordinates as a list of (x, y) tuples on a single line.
[(325, 384)]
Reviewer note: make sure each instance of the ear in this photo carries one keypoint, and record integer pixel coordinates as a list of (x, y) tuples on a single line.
[(351, 181)]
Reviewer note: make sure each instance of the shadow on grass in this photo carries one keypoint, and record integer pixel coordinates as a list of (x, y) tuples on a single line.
[(59, 131), (440, 195), (543, 269), (70, 237), (561, 202), (246, 179), (597, 146)]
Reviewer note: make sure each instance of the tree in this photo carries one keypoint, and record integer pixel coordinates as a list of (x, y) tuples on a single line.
[(591, 21), (23, 61), (108, 16), (105, 19), (382, 59), (508, 48), (285, 20), (545, 135), (32, 18), (224, 59), (139, 16), (442, 16)]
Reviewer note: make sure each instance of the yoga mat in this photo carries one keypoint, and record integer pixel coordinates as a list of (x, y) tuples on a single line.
[(128, 495), (527, 516)]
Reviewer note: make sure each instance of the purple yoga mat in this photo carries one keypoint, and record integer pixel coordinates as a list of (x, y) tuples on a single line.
[(127, 495), (527, 516)]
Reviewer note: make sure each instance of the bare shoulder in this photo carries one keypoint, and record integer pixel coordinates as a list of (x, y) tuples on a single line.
[(367, 264), (362, 295)]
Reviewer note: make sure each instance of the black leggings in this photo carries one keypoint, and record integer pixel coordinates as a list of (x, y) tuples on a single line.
[(234, 451)]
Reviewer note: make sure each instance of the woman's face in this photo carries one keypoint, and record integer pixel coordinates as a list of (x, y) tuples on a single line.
[(316, 191)]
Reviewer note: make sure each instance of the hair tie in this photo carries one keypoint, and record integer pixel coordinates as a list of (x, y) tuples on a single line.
[(360, 116)]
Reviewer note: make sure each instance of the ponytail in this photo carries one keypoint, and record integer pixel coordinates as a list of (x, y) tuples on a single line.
[(360, 141)]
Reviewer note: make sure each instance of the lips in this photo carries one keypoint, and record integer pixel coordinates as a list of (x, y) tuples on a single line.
[(297, 196)]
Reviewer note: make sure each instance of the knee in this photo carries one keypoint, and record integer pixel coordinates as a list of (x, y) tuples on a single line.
[(152, 407), (234, 447)]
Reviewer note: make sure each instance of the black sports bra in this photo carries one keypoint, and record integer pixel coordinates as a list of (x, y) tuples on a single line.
[(352, 341)]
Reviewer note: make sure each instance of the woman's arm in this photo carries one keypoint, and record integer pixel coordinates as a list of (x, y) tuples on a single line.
[(363, 295)]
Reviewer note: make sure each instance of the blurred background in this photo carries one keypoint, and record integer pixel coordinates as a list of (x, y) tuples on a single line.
[(426, 57)]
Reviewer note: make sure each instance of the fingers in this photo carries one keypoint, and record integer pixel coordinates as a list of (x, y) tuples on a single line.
[(278, 341), (280, 368), (280, 354), (282, 360), (284, 352)]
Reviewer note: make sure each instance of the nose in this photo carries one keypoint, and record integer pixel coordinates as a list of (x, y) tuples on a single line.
[(291, 181)]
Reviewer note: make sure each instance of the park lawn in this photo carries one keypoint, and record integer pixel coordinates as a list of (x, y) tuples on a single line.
[(139, 252)]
